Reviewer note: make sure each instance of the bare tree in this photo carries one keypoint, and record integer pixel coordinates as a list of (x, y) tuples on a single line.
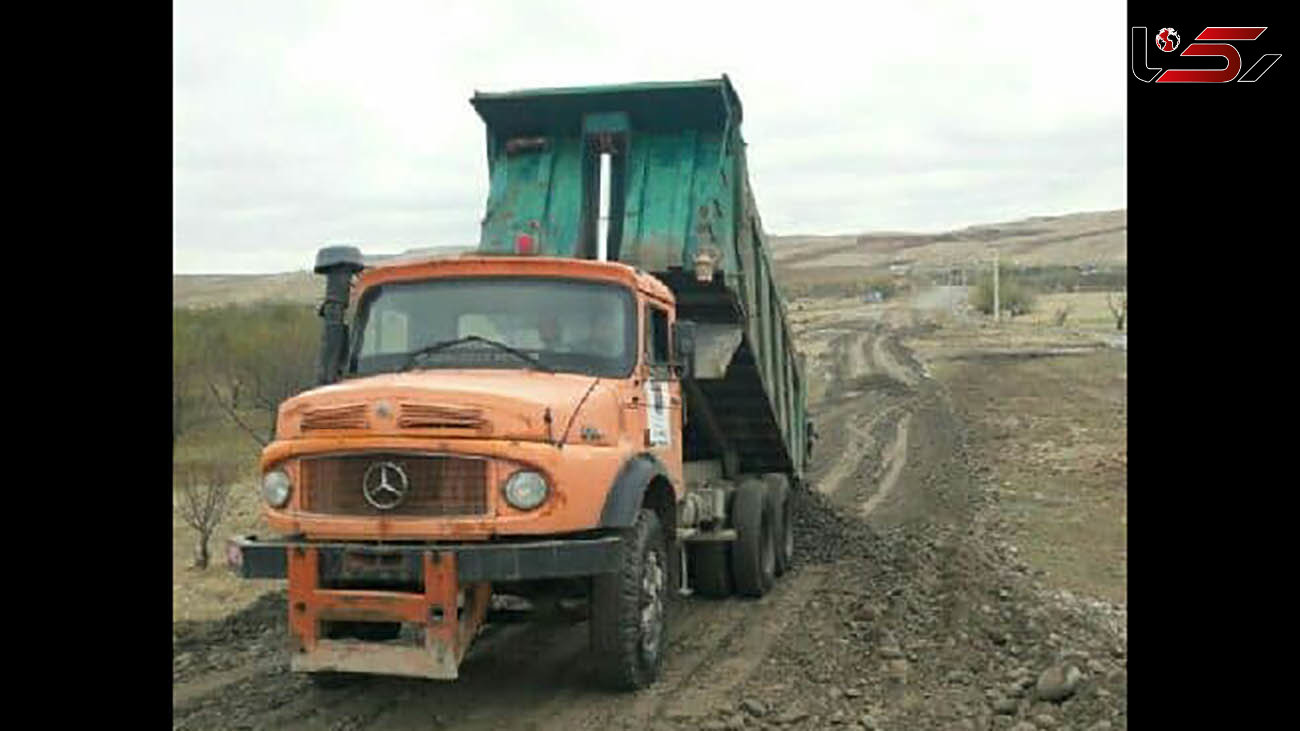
[(1118, 309), (202, 501), (1061, 315)]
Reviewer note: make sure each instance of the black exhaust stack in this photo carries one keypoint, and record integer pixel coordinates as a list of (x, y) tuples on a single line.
[(338, 264)]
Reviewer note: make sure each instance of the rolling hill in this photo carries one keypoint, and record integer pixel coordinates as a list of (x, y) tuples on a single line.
[(1077, 239)]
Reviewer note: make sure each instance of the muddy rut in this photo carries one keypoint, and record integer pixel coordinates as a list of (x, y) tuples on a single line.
[(891, 557)]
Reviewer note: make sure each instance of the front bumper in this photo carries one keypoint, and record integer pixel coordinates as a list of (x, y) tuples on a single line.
[(441, 589), (254, 558)]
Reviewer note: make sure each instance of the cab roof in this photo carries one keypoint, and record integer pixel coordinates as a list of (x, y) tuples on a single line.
[(438, 267)]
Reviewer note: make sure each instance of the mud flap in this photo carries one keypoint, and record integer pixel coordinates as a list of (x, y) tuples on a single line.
[(448, 624)]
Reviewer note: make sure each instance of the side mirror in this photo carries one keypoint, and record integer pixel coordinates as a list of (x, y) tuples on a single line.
[(684, 347)]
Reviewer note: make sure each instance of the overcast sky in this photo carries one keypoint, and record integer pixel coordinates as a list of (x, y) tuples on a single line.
[(299, 123)]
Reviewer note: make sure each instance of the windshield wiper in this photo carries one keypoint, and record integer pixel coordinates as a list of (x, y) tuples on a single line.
[(435, 347)]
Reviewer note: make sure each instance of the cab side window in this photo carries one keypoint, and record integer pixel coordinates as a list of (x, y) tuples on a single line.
[(656, 345)]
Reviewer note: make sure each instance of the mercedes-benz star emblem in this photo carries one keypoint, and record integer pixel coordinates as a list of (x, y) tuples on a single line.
[(384, 485)]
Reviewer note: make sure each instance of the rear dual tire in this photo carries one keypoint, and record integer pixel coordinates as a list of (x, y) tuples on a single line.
[(762, 515), (779, 485), (753, 555)]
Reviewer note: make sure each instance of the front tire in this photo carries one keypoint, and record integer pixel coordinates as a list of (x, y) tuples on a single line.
[(629, 608)]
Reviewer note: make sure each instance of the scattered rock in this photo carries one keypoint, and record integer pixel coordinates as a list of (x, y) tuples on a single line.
[(753, 707), (793, 715), (869, 722), (1043, 720), (1004, 705), (1058, 682)]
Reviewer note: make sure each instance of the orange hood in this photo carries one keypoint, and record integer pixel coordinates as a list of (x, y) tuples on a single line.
[(450, 403)]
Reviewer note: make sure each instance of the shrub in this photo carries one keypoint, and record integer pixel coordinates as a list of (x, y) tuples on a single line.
[(246, 359), (1014, 298)]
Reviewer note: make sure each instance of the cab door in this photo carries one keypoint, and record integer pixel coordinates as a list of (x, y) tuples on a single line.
[(661, 390)]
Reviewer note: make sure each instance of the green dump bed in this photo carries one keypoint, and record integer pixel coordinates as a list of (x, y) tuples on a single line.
[(678, 187)]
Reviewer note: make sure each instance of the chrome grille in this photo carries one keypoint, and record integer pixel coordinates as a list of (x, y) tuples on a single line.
[(335, 417), (439, 485)]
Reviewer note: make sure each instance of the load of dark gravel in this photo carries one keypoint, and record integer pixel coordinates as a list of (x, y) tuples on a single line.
[(823, 533)]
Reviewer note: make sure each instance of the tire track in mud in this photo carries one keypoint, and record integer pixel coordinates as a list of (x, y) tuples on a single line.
[(875, 390), (895, 456), (715, 646)]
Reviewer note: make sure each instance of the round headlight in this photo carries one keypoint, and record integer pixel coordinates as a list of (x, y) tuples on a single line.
[(276, 487), (525, 490)]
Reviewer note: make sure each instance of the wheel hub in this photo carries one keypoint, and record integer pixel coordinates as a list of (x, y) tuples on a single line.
[(652, 604)]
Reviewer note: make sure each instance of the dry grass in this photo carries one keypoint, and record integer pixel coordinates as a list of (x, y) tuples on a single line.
[(1089, 311), (214, 290)]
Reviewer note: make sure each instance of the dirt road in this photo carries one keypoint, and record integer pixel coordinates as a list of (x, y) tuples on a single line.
[(906, 608)]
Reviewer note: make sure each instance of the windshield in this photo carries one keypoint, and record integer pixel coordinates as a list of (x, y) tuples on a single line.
[(566, 325)]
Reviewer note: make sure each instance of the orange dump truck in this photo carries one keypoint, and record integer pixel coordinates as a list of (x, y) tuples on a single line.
[(602, 403)]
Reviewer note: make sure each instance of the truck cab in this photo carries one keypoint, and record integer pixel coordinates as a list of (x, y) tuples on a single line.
[(550, 373), (534, 419)]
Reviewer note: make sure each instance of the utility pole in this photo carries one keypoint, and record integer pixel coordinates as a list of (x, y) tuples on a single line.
[(997, 310), (952, 293)]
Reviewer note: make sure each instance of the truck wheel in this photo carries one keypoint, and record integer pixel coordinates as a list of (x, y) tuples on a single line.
[(711, 569), (753, 555), (779, 484), (629, 608)]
